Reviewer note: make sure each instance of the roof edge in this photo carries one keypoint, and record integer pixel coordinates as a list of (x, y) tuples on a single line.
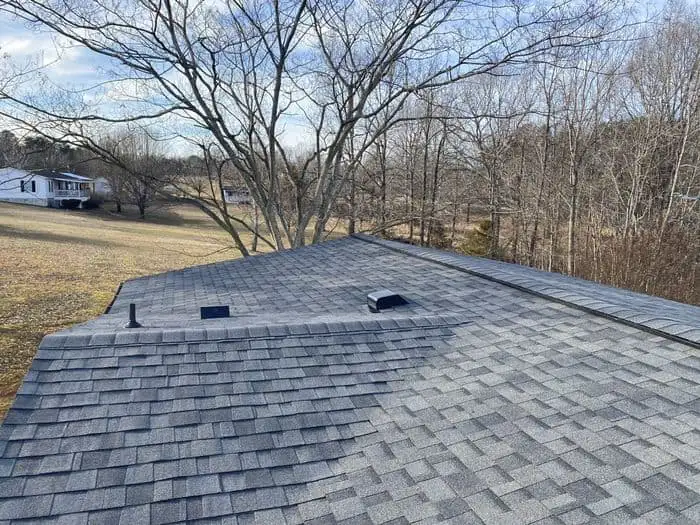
[(649, 320), (114, 298)]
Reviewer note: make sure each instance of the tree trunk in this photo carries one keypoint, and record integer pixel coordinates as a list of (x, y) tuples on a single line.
[(436, 179), (494, 216), (256, 228), (423, 196), (382, 189), (411, 213), (554, 240), (532, 247), (570, 240), (454, 208), (353, 212)]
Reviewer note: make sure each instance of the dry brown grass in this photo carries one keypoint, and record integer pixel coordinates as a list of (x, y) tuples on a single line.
[(60, 267)]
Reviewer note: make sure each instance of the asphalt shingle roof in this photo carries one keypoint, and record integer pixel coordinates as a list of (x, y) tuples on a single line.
[(475, 403)]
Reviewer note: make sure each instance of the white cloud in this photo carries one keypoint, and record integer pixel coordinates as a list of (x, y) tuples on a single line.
[(15, 46), (60, 59), (74, 67)]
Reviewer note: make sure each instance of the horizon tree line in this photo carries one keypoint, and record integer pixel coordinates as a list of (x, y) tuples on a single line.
[(567, 129)]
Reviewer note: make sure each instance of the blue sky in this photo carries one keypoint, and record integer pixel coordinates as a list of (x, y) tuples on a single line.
[(73, 67), (67, 65)]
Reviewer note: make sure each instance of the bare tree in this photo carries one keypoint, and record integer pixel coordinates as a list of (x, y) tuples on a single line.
[(585, 95), (493, 110), (666, 73), (12, 154), (11, 151), (244, 71), (132, 163)]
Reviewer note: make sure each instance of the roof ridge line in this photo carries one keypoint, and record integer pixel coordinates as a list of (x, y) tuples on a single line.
[(140, 337), (623, 315), (213, 263)]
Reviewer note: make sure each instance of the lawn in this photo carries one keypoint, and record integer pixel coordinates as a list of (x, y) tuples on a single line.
[(61, 267)]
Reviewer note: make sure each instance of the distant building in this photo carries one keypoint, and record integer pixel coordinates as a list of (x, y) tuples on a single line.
[(44, 188), (685, 197), (102, 187), (237, 196)]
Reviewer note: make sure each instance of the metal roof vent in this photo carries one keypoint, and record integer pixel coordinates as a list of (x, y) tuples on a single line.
[(214, 312), (383, 299)]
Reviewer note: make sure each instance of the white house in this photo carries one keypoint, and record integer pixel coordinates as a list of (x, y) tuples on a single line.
[(44, 187), (237, 196)]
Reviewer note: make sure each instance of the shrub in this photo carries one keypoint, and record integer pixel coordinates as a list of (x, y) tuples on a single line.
[(95, 201), (476, 241), (438, 235), (70, 204)]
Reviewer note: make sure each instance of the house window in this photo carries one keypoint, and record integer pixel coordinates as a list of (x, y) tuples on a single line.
[(33, 186), (21, 186), (50, 186)]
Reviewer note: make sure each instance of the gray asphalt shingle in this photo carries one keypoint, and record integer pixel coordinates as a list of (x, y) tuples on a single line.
[(474, 403)]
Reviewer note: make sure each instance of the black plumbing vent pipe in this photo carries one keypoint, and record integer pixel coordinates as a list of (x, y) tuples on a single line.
[(133, 323)]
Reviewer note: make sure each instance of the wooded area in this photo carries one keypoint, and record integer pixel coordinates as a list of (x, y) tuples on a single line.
[(590, 169), (570, 130)]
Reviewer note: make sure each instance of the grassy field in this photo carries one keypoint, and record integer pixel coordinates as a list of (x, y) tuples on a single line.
[(61, 267)]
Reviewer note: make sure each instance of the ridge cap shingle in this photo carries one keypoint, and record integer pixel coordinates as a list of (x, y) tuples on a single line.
[(683, 327)]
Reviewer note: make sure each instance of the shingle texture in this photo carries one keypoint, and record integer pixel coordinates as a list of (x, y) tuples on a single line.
[(474, 403), (672, 319)]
